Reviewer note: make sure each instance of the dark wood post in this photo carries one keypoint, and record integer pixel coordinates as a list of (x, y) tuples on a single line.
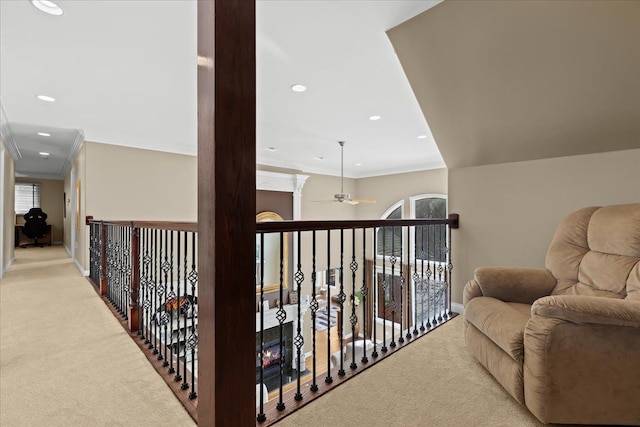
[(103, 259), (226, 212), (135, 279)]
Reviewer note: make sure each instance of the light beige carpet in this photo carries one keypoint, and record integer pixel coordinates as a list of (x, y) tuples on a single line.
[(65, 360), (433, 382)]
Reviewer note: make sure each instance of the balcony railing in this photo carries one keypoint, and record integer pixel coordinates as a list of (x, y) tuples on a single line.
[(332, 298)]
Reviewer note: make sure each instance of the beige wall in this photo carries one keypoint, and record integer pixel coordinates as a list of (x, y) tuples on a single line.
[(76, 211), (390, 189), (66, 188), (133, 184), (51, 192), (509, 212), (8, 172)]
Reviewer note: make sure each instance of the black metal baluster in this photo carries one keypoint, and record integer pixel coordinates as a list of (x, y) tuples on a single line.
[(314, 308), (166, 317), (159, 293), (149, 288), (450, 268), (416, 278), (365, 291), (376, 288), (341, 299), (173, 307), (281, 316), (192, 341), (142, 289), (189, 306), (328, 379), (179, 307), (401, 338), (428, 274), (440, 270), (354, 318), (261, 415), (155, 302), (423, 285), (392, 260), (299, 339), (385, 285), (432, 277)]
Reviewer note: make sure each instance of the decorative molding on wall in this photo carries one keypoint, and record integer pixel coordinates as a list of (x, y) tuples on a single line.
[(289, 183), (7, 135), (77, 143)]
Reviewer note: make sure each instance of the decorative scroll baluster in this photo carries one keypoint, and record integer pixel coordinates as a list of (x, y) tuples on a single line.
[(192, 341), (261, 415), (392, 299), (180, 305), (166, 317), (281, 315), (416, 279), (365, 292), (354, 318), (449, 281), (314, 308), (440, 270), (158, 292), (189, 305), (172, 301), (299, 339), (401, 290), (328, 379), (385, 287), (374, 326), (341, 299)]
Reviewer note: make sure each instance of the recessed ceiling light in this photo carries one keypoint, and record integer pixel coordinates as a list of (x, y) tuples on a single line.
[(298, 88), (272, 149), (358, 164), (374, 118), (46, 98), (47, 7), (43, 154), (319, 158), (44, 134), (422, 136)]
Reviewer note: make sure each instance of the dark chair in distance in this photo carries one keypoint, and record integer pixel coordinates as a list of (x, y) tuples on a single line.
[(35, 226)]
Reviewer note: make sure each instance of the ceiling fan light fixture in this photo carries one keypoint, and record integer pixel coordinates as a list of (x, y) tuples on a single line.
[(47, 6)]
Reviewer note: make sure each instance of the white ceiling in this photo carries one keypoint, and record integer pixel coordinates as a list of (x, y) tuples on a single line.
[(125, 73)]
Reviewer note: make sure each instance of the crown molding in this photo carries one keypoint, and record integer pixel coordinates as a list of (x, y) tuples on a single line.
[(7, 135), (77, 143)]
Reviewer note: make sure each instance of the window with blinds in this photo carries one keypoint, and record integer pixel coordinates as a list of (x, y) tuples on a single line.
[(27, 197)]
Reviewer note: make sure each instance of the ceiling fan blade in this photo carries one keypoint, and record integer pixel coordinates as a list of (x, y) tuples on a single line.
[(325, 201), (363, 201)]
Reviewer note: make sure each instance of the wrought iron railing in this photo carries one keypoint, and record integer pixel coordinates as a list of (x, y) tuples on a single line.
[(147, 272), (356, 292)]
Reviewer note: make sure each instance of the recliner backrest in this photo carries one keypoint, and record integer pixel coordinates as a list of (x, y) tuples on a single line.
[(596, 251)]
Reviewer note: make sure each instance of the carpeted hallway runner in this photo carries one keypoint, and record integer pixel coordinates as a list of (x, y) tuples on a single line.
[(65, 360)]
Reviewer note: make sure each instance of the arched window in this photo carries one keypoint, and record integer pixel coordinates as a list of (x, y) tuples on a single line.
[(389, 239)]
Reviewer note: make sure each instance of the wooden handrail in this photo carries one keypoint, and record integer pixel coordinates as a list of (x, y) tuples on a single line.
[(291, 226)]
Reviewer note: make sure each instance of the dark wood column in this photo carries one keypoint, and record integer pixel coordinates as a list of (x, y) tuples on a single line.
[(226, 212)]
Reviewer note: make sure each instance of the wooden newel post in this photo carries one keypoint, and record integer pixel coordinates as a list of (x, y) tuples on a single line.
[(103, 259), (135, 279)]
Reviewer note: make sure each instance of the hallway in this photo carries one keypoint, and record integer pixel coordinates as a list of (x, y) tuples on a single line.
[(65, 360)]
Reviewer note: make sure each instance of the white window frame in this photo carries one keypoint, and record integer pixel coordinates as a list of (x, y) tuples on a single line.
[(412, 210)]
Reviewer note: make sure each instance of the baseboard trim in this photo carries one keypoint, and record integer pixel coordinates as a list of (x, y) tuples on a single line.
[(85, 273), (5, 270), (67, 249), (457, 308)]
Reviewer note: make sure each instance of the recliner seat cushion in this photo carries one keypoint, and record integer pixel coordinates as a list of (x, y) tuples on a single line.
[(503, 323)]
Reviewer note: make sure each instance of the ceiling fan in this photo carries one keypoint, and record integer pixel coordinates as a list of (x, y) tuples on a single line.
[(343, 197)]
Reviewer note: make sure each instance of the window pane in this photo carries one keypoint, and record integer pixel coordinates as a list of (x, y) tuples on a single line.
[(431, 240), (389, 239), (27, 196)]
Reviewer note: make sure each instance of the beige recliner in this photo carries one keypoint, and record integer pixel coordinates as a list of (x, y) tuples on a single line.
[(565, 340)]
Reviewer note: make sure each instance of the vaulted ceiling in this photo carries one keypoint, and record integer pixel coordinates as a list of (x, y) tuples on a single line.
[(124, 72), (504, 81)]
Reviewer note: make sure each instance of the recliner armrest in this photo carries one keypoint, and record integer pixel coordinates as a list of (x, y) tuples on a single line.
[(587, 309), (515, 284)]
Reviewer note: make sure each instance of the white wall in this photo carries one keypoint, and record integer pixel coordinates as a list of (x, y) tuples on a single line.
[(509, 212)]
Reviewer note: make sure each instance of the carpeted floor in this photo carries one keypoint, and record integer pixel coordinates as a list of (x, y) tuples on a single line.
[(65, 360), (433, 382)]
